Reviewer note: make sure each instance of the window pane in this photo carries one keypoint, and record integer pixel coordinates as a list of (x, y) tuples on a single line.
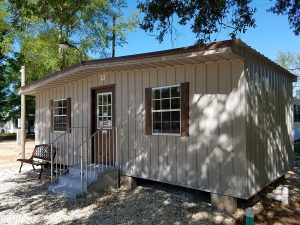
[(109, 99), (156, 104), (100, 111), (100, 122), (109, 110), (156, 116), (64, 111), (56, 119), (165, 104), (175, 128), (156, 127), (63, 119), (104, 110), (63, 127), (166, 127), (175, 116), (166, 116), (55, 103), (175, 91), (175, 103), (56, 111), (109, 122), (104, 99), (156, 94), (64, 103), (100, 99), (165, 93)]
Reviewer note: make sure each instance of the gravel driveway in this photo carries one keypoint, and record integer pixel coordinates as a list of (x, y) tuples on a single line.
[(25, 200)]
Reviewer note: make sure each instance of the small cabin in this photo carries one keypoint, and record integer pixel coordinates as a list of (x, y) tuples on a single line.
[(216, 117)]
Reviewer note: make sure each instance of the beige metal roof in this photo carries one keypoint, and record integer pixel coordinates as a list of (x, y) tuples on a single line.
[(212, 52)]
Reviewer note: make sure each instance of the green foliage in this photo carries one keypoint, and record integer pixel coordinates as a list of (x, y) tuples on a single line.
[(206, 17), (85, 22), (210, 17), (30, 33)]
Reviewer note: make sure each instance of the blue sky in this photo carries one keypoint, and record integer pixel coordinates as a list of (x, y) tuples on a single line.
[(271, 35)]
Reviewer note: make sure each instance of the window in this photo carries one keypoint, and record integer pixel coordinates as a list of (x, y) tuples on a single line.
[(61, 114), (296, 113), (166, 110), (104, 111)]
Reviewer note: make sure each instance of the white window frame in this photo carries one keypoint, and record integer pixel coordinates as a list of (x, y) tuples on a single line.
[(111, 113), (66, 115), (165, 110)]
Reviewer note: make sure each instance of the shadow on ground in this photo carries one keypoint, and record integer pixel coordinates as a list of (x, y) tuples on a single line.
[(148, 204)]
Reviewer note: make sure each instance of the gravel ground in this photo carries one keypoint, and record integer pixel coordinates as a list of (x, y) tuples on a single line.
[(25, 200)]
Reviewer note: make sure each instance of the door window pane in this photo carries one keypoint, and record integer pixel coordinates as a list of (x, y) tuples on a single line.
[(105, 110)]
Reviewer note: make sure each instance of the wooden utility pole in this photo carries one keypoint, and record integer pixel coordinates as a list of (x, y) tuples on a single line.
[(23, 129), (113, 37)]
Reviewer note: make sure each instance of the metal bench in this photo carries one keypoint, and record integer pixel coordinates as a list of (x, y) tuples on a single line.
[(41, 156)]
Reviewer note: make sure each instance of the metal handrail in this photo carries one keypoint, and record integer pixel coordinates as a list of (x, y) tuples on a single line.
[(82, 143), (88, 144), (81, 157), (63, 137)]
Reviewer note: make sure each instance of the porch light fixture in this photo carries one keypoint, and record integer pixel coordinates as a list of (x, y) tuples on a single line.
[(65, 45)]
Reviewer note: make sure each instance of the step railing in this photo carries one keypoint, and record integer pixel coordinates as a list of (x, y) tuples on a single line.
[(64, 145), (97, 153)]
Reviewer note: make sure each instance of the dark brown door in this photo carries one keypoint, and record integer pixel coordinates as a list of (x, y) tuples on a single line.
[(103, 125)]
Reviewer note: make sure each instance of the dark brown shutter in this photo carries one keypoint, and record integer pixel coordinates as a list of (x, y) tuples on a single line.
[(51, 115), (69, 114), (148, 107), (184, 107)]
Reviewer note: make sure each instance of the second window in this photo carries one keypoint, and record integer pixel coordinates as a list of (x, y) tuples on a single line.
[(166, 110)]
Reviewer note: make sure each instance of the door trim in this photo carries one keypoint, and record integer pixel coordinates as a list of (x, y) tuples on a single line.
[(94, 91)]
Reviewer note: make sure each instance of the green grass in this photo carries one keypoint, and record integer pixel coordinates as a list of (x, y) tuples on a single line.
[(12, 137)]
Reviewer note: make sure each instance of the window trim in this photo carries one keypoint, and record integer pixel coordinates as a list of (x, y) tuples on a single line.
[(166, 110)]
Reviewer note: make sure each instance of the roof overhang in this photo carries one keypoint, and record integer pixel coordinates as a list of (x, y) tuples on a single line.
[(213, 52)]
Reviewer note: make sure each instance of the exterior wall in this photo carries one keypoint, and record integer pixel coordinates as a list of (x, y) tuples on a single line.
[(212, 158), (269, 122)]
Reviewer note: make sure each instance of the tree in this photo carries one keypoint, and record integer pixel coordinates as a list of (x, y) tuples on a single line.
[(37, 27), (291, 61), (85, 22), (6, 37), (209, 17)]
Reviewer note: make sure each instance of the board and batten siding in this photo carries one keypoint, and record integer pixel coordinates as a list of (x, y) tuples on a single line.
[(211, 158), (269, 122)]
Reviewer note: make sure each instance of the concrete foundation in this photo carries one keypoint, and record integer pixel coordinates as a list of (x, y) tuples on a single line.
[(107, 180), (224, 203), (127, 183)]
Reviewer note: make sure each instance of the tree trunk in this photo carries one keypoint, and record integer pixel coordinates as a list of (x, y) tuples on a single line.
[(113, 37)]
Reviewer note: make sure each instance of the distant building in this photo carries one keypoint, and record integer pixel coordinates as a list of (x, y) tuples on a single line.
[(8, 127)]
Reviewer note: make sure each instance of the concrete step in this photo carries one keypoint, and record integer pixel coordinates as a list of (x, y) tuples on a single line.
[(91, 169), (65, 191), (69, 185), (73, 181)]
